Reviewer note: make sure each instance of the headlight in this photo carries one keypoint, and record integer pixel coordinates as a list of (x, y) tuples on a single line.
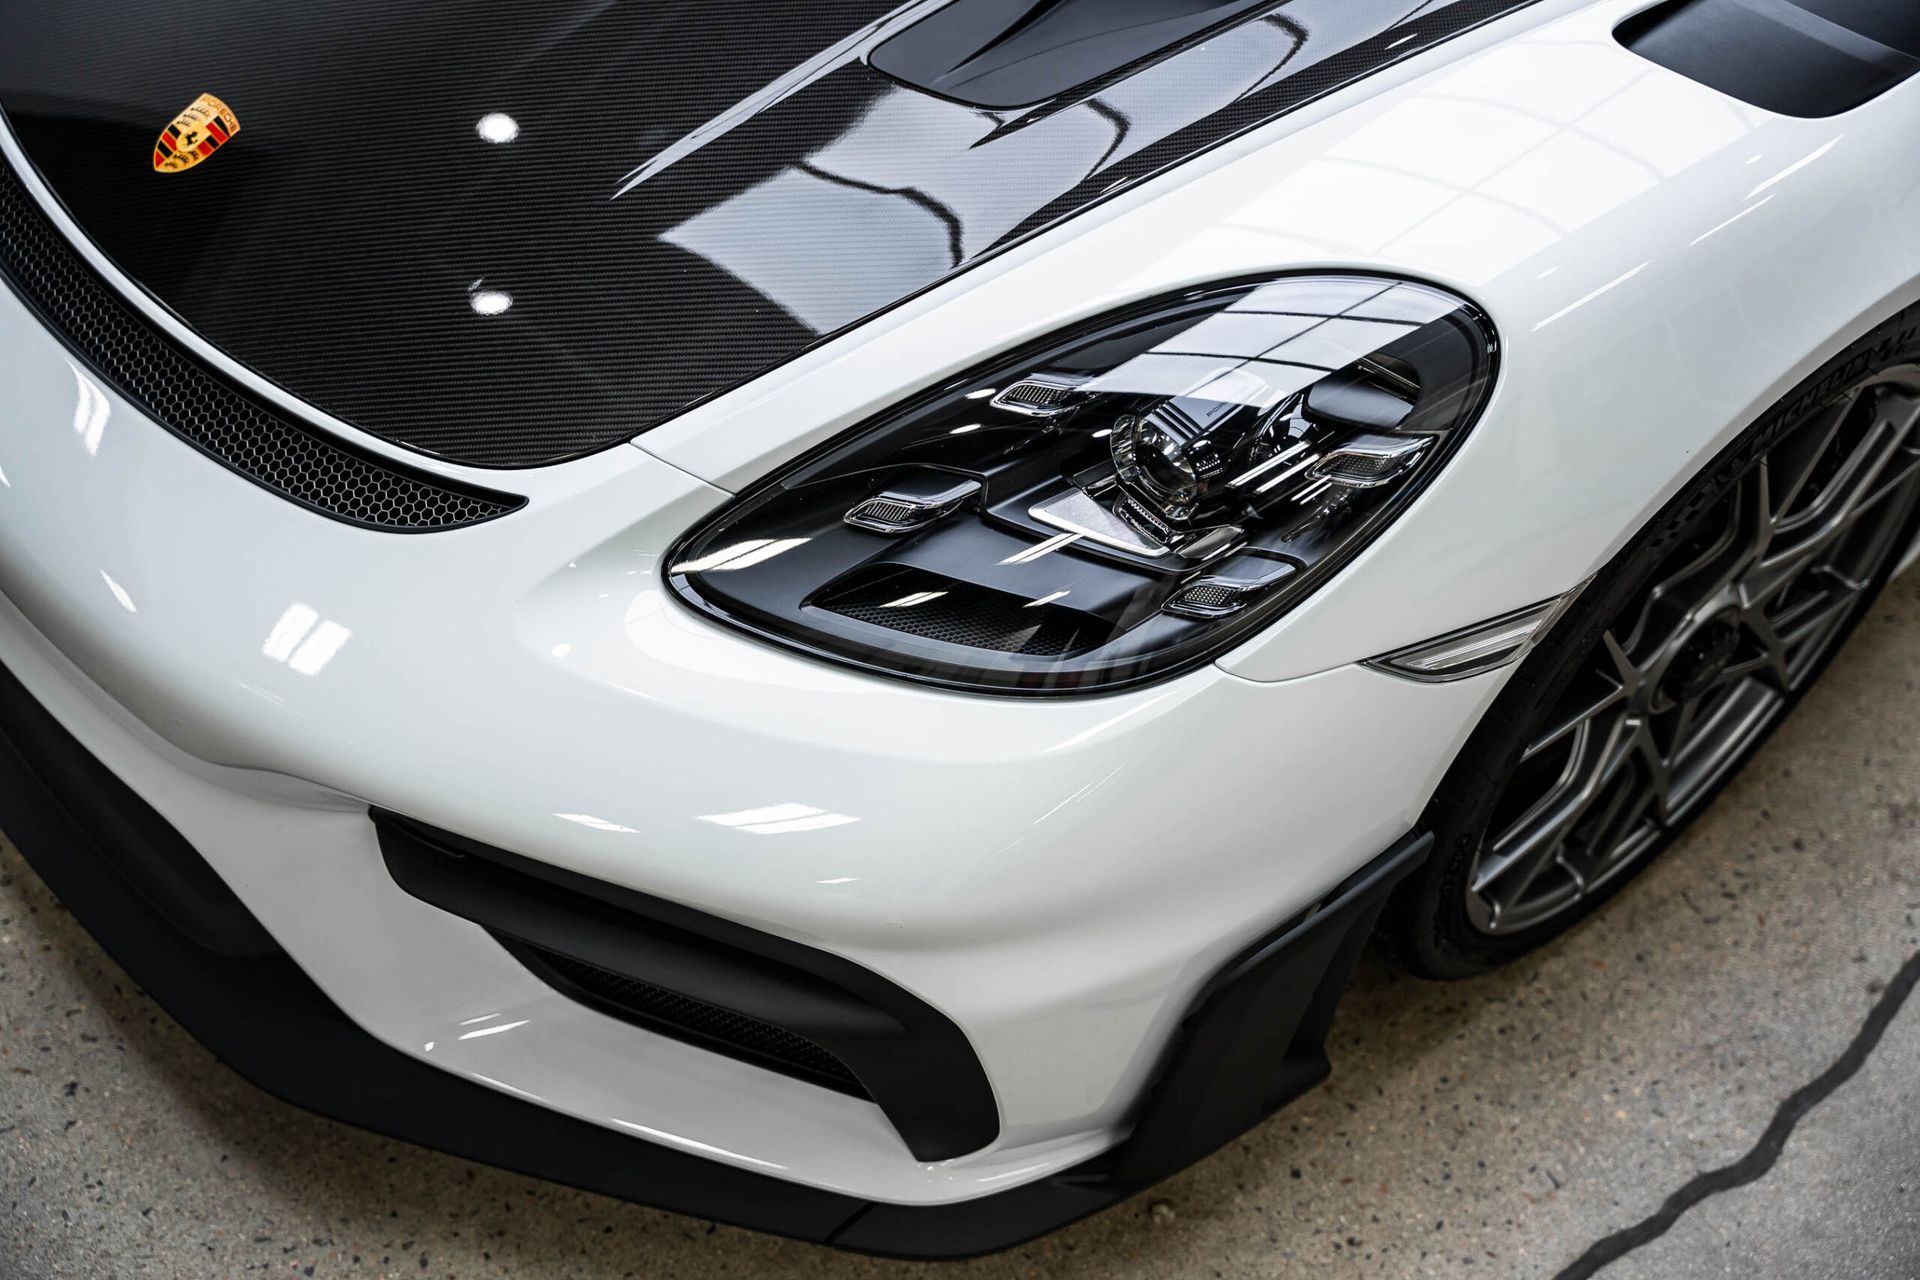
[(1113, 506)]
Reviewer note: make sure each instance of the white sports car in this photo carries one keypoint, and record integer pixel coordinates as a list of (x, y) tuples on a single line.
[(843, 617)]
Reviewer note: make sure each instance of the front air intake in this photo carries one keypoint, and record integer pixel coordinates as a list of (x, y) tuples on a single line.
[(684, 1018), (728, 988)]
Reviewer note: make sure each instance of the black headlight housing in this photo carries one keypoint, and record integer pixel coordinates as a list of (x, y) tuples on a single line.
[(1112, 506)]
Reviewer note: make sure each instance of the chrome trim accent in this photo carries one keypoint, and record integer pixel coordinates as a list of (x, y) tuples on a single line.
[(1478, 649), (1060, 383), (1398, 454)]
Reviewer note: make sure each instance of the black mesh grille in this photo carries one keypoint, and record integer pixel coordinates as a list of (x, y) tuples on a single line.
[(1211, 595), (204, 409), (960, 613), (686, 1018)]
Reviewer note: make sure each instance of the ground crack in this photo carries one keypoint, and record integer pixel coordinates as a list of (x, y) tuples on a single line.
[(1754, 1165)]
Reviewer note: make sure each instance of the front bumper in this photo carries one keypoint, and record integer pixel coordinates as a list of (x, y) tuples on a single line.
[(1251, 1040)]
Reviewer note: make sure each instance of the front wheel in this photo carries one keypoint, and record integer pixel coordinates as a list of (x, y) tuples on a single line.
[(1674, 665)]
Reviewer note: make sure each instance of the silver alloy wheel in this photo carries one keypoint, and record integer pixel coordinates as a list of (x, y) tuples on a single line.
[(1706, 657)]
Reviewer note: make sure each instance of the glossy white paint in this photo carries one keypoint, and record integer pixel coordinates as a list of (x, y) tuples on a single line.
[(1056, 876)]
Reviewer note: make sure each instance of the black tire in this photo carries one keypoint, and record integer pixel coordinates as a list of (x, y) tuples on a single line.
[(1429, 920)]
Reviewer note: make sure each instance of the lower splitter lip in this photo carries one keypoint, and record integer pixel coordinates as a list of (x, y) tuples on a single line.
[(1252, 1041)]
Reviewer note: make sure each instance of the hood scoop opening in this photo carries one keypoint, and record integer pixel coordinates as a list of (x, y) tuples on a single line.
[(1806, 58), (1014, 53)]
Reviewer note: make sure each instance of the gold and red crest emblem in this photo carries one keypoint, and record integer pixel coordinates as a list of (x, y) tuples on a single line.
[(196, 133)]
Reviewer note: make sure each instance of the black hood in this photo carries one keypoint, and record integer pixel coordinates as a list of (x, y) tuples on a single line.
[(510, 233)]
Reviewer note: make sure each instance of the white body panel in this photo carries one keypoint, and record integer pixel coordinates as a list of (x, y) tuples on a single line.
[(1056, 876)]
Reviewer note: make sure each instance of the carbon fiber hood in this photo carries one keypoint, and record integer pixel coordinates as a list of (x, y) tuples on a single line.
[(512, 234)]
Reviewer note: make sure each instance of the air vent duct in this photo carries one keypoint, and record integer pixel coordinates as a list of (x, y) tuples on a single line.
[(1805, 58)]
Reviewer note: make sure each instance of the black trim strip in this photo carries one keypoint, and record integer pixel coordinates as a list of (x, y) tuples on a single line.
[(136, 844)]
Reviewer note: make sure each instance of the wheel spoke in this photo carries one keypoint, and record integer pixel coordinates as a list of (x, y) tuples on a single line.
[(1799, 456), (1700, 663), (1675, 603), (1562, 729), (1533, 840)]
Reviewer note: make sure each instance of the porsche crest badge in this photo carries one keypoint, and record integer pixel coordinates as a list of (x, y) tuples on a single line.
[(195, 134)]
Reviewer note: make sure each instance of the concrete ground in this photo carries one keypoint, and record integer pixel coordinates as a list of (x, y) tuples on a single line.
[(1532, 1123)]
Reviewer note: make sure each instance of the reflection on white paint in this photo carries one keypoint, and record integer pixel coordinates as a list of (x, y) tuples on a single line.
[(1793, 168), (289, 631), (119, 592), (779, 819), (597, 824), (1089, 734), (514, 1089), (318, 649), (689, 1144), (1604, 289), (90, 410), (495, 1030), (303, 640), (741, 555), (1752, 208)]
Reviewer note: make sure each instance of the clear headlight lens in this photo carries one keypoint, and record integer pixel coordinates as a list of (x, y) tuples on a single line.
[(1113, 506)]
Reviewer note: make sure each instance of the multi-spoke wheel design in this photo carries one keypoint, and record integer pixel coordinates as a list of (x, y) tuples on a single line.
[(1704, 658)]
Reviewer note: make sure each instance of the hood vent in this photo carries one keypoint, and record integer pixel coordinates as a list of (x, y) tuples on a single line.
[(1805, 58), (1010, 53)]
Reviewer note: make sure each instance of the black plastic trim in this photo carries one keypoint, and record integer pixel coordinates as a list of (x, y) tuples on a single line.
[(909, 1057), (1252, 1041), (575, 979), (138, 847)]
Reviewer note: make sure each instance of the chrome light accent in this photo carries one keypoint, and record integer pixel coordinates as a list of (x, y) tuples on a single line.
[(1370, 461), (1040, 396), (1476, 650), (913, 502)]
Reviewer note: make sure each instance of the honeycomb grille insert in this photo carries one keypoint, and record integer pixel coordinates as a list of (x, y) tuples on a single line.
[(688, 1019), (206, 410)]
